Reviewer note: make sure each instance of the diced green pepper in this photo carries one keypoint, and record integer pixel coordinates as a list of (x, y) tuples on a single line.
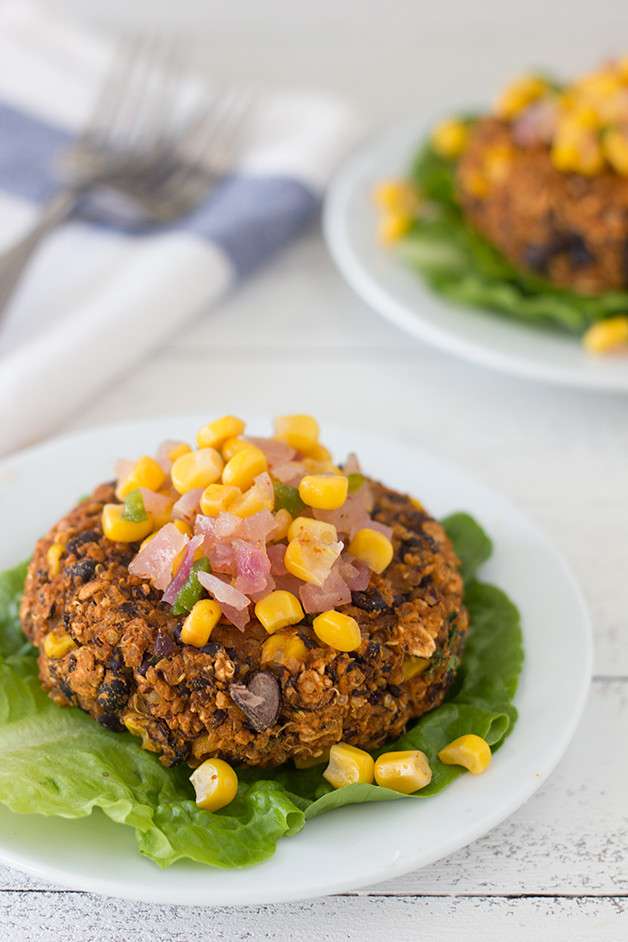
[(191, 591), (355, 482), (134, 509), (287, 498)]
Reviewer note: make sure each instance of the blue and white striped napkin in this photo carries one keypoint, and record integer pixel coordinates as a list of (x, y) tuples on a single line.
[(94, 299)]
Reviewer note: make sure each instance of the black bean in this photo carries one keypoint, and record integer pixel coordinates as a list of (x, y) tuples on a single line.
[(309, 642), (130, 608), (113, 693), (111, 722), (116, 661), (68, 693), (369, 601), (88, 536), (580, 254), (83, 570), (212, 649), (164, 645)]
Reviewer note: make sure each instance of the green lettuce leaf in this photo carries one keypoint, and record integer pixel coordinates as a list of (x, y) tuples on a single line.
[(462, 265), (58, 761)]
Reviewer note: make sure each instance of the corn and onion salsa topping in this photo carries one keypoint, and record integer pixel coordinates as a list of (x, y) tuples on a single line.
[(583, 127), (238, 523)]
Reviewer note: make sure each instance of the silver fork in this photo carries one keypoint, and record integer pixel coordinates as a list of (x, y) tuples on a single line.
[(153, 156)]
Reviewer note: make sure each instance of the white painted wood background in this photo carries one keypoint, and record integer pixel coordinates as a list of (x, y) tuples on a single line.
[(557, 869)]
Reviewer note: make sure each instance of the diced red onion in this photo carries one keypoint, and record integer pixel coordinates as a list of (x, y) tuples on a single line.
[(276, 553), (123, 468), (289, 473), (253, 567), (154, 503), (380, 528), (352, 465), (164, 449), (239, 617), (223, 591), (188, 505), (154, 562), (276, 452), (331, 594), (268, 588), (259, 527), (183, 571)]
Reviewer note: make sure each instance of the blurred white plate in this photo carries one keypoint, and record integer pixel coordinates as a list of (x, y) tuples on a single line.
[(337, 851), (399, 294)]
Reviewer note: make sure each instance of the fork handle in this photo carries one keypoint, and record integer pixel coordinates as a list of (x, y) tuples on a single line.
[(14, 260)]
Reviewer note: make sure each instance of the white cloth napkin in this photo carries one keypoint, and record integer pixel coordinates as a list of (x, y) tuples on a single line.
[(94, 299)]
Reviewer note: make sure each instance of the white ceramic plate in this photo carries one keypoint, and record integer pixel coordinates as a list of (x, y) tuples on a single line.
[(337, 851), (398, 293)]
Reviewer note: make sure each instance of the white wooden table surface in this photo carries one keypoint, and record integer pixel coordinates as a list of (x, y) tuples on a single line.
[(296, 338)]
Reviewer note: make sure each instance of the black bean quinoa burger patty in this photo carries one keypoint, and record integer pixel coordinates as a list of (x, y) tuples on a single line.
[(570, 228), (119, 654)]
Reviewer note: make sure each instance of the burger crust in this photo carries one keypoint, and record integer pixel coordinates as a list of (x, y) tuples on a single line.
[(128, 668)]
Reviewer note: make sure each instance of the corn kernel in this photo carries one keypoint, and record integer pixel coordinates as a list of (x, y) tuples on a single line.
[(146, 473), (283, 519), (241, 470), (397, 196), (298, 431), (251, 502), (159, 520), (314, 466), (215, 784), (186, 529), (308, 762), (196, 469), (278, 610), (231, 446), (318, 453), (497, 162), (348, 765), (372, 548), (150, 537), (475, 184), (218, 497), (199, 552), (318, 528), (470, 751), (518, 95), (200, 623), (216, 433), (413, 666), (57, 646), (123, 531), (337, 630), (52, 558), (392, 227), (181, 448), (403, 772), (284, 649), (578, 153), (325, 492), (607, 335), (134, 724), (311, 560), (450, 138), (615, 147)]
